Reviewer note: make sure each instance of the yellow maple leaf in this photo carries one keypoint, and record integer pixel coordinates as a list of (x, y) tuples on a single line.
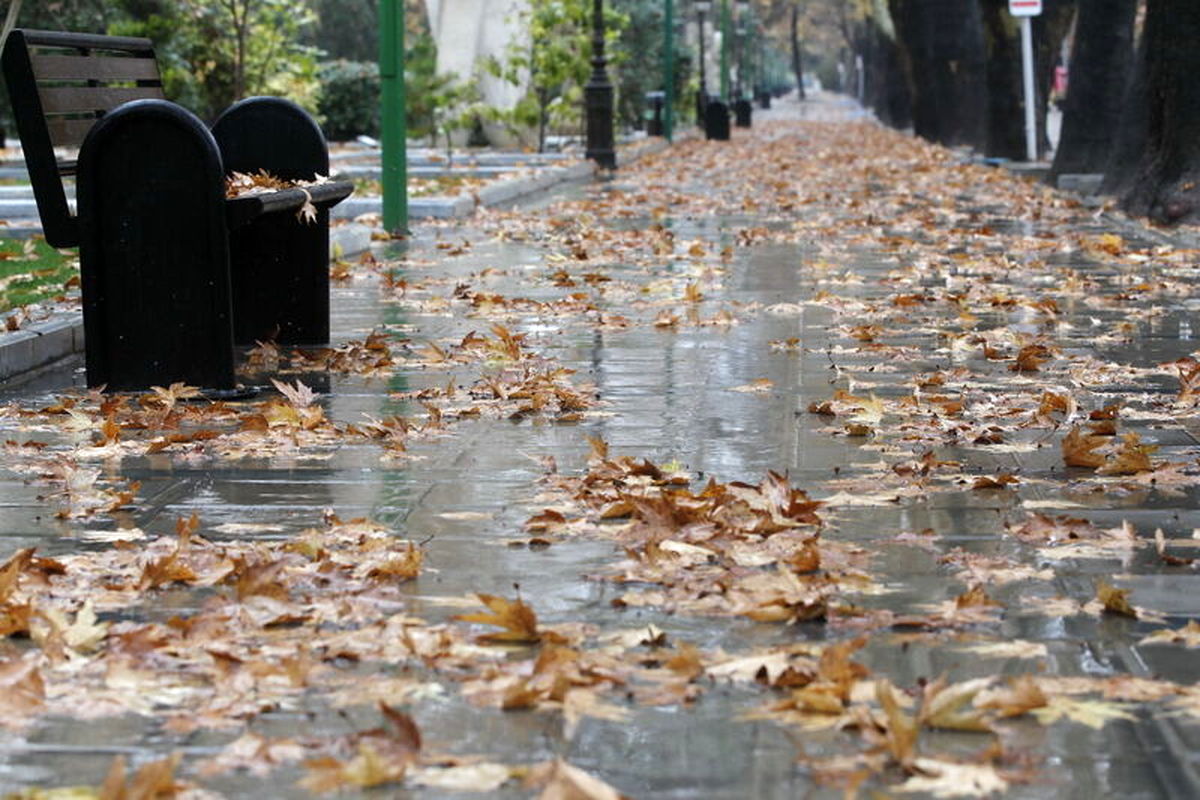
[(518, 620), (1114, 600)]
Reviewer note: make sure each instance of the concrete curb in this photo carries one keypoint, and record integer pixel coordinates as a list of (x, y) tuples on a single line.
[(505, 191), (39, 344)]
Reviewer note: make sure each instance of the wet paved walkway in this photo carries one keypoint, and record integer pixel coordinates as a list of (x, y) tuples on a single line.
[(907, 339)]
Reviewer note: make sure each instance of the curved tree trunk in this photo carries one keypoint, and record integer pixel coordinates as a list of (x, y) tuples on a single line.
[(1165, 185), (1099, 72), (886, 85), (1133, 130), (797, 52), (942, 44)]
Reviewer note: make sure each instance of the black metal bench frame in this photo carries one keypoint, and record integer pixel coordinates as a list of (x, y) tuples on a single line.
[(173, 274)]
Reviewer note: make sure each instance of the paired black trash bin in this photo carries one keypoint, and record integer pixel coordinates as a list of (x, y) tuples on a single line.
[(742, 111), (716, 120), (656, 103)]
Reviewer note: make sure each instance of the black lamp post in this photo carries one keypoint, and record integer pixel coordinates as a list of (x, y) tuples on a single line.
[(598, 96), (702, 7)]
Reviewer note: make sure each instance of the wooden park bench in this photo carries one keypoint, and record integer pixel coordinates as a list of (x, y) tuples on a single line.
[(173, 272)]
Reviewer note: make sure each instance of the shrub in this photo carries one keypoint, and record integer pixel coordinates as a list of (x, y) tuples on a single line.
[(349, 101)]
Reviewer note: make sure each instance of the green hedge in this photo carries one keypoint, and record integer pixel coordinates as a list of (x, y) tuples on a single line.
[(349, 101)]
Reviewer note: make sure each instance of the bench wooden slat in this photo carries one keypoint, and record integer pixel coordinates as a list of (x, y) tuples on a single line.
[(91, 41), (68, 132), (99, 68), (77, 99)]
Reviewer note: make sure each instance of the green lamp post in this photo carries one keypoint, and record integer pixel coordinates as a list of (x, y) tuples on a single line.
[(669, 69), (394, 175)]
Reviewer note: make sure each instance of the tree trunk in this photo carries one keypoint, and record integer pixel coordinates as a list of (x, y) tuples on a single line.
[(797, 53), (886, 87), (942, 44), (1165, 185), (1006, 94), (1133, 129), (1098, 75)]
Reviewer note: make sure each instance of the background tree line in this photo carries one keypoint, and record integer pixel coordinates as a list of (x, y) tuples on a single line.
[(323, 54), (951, 70)]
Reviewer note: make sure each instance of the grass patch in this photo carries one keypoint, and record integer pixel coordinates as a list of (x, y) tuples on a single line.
[(32, 271)]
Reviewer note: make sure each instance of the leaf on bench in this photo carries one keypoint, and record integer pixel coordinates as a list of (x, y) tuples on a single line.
[(308, 212)]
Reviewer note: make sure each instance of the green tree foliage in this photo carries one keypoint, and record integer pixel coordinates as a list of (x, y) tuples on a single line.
[(214, 52), (638, 59), (346, 30), (438, 103), (553, 62), (349, 100)]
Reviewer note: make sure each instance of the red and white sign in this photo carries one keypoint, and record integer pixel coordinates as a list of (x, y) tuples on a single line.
[(1025, 8)]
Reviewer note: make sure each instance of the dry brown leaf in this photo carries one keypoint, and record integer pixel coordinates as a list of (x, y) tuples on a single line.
[(1188, 635), (1092, 713), (901, 733), (518, 620), (1078, 449), (1021, 695), (1131, 458), (948, 706), (1114, 600), (561, 781), (940, 778)]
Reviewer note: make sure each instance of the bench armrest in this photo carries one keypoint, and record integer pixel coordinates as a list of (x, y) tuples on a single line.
[(240, 210)]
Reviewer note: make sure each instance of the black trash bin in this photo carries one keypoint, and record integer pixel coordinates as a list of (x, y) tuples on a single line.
[(764, 98), (655, 105), (716, 121), (742, 111)]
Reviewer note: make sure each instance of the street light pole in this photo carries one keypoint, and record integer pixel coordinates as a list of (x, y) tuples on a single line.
[(669, 69), (395, 134), (702, 7), (598, 96)]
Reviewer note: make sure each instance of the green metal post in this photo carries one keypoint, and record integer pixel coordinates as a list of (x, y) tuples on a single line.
[(726, 39), (669, 70), (395, 124)]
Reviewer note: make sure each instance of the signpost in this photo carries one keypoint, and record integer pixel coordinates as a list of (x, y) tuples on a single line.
[(1025, 10)]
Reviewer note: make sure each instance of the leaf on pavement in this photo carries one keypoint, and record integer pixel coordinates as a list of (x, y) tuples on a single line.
[(1079, 449), (951, 779), (948, 706), (1188, 635), (518, 620), (1092, 713), (1114, 600), (561, 781), (1131, 458)]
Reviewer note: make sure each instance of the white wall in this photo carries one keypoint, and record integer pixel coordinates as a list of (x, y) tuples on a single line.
[(468, 31)]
